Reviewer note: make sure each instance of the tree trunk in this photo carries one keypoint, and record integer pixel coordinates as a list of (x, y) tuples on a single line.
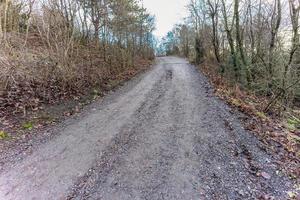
[(215, 37), (294, 14), (228, 31), (274, 32), (239, 40)]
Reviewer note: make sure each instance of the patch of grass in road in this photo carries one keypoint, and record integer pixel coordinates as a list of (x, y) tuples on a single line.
[(3, 135), (28, 126)]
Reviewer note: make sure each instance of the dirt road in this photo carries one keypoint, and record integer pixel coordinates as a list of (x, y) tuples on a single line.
[(163, 135)]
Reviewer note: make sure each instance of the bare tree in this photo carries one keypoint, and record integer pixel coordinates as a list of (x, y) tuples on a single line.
[(230, 39), (213, 11), (249, 41)]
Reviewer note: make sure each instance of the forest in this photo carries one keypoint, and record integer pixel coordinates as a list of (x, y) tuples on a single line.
[(93, 105), (54, 49), (251, 44)]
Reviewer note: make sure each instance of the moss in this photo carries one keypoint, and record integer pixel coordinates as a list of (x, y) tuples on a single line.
[(293, 123)]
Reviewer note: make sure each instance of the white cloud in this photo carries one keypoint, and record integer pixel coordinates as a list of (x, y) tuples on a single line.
[(167, 13)]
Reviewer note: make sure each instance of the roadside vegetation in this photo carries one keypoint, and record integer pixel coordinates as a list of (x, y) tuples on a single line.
[(250, 50), (55, 50)]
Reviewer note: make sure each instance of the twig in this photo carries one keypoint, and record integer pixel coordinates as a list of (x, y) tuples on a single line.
[(282, 91)]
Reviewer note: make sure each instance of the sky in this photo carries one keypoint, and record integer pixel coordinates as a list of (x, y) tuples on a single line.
[(167, 13)]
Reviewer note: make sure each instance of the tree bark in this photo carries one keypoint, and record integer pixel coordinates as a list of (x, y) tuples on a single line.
[(228, 31), (276, 20), (239, 40), (214, 20)]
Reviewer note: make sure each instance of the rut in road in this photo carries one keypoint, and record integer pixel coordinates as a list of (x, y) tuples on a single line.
[(164, 135)]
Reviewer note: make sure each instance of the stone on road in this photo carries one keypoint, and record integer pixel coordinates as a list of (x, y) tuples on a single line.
[(163, 135)]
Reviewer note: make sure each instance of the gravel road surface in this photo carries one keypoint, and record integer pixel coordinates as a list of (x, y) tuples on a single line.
[(163, 135)]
